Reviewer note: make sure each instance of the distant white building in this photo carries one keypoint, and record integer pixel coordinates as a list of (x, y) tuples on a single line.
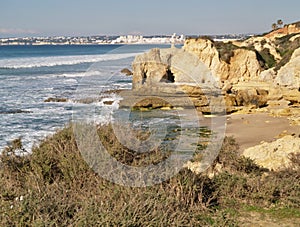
[(131, 39)]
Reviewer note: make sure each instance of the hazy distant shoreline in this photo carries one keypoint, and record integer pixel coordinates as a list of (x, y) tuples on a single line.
[(109, 40)]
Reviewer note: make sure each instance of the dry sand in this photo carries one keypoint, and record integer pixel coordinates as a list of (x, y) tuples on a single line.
[(251, 129)]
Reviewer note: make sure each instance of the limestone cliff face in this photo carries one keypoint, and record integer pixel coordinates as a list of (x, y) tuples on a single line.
[(289, 75), (286, 30), (205, 51), (148, 68), (234, 71), (259, 44), (243, 65), (198, 65), (173, 65), (163, 67)]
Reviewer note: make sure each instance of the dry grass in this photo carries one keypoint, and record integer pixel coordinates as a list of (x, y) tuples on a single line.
[(54, 186)]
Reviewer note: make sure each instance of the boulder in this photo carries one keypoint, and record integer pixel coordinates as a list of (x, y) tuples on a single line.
[(275, 155), (56, 99), (268, 75), (251, 97)]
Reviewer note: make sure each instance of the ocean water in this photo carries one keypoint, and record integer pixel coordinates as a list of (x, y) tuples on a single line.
[(31, 74)]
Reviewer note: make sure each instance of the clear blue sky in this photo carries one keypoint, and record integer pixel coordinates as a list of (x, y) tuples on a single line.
[(116, 17)]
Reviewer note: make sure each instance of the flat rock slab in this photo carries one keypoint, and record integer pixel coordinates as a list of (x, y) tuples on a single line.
[(155, 100)]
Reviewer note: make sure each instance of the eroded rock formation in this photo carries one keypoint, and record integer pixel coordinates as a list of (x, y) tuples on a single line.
[(197, 71), (239, 72), (242, 65), (289, 75)]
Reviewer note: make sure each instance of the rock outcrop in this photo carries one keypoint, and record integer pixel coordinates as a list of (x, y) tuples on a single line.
[(242, 66), (169, 66), (275, 155), (166, 64), (126, 72), (173, 78), (240, 71), (244, 77), (289, 75), (197, 71)]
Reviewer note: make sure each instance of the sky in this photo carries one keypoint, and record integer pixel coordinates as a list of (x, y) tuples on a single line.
[(20, 18)]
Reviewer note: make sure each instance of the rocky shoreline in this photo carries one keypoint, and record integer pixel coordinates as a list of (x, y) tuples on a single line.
[(261, 98)]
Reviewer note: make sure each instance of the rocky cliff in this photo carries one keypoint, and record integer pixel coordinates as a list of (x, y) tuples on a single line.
[(289, 75), (251, 73), (286, 30), (240, 65)]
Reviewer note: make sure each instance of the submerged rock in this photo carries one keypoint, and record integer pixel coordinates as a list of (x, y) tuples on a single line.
[(14, 111), (56, 99), (109, 103)]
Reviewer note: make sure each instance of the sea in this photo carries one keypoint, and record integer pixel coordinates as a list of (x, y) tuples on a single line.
[(76, 75)]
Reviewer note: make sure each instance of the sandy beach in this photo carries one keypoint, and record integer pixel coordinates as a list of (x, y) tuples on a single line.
[(251, 129)]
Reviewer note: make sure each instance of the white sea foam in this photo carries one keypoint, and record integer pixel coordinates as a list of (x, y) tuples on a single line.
[(34, 62)]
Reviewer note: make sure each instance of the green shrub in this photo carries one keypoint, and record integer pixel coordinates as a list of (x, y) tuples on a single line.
[(286, 49), (226, 50), (267, 58)]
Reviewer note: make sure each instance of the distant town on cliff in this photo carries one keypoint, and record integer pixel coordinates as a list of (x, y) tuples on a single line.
[(98, 40), (278, 29)]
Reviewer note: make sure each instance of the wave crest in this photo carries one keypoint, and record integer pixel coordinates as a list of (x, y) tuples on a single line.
[(36, 62)]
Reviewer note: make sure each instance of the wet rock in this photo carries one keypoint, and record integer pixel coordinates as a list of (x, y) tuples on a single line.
[(56, 99), (109, 103), (14, 111), (126, 72)]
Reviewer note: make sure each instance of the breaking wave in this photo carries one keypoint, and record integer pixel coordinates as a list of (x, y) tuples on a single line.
[(35, 62)]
